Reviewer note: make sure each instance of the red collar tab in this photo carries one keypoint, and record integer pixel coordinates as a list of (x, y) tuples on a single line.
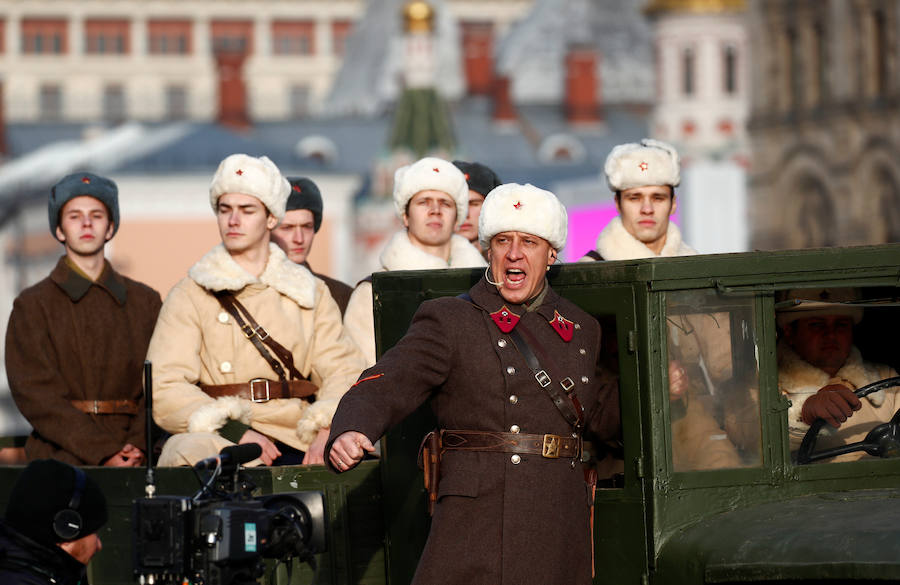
[(563, 326), (505, 319)]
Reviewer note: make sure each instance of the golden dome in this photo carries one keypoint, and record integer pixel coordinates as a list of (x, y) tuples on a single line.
[(657, 6), (418, 16)]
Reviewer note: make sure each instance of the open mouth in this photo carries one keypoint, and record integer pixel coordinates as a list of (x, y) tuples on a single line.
[(514, 276)]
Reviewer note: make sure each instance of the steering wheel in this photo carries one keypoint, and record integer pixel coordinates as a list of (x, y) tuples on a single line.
[(881, 441)]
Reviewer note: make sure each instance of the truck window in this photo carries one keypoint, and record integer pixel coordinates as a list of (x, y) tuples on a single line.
[(713, 381)]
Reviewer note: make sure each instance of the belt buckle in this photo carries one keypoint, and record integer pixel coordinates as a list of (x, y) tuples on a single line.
[(550, 449), (95, 407), (261, 333), (542, 378), (253, 397), (567, 384), (247, 331)]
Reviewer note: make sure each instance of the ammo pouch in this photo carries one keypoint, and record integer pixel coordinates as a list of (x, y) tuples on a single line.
[(429, 461)]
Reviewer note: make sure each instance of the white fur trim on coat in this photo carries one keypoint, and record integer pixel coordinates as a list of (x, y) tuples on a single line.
[(258, 177), (217, 271), (615, 243), (431, 174), (523, 208), (401, 254), (798, 379), (318, 416), (650, 162), (211, 417)]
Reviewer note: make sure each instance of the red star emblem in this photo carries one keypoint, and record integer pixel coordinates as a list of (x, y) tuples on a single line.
[(239, 172), (644, 166), (562, 326), (518, 205), (505, 319), (435, 169), (466, 176), (86, 180), (297, 189)]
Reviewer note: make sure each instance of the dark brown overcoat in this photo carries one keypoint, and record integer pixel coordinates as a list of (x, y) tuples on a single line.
[(73, 339), (496, 522)]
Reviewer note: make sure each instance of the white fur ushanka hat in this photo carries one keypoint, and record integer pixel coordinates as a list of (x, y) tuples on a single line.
[(650, 162), (523, 208), (248, 175), (431, 174)]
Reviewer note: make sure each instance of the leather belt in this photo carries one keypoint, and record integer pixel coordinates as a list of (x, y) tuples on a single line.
[(106, 406), (262, 390), (547, 446)]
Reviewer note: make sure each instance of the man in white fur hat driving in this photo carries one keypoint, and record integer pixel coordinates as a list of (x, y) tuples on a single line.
[(431, 197), (512, 369), (249, 347), (643, 177)]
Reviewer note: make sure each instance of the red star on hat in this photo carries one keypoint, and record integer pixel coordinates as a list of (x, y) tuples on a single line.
[(517, 205), (435, 169), (297, 189), (239, 172), (644, 166), (86, 180), (466, 176)]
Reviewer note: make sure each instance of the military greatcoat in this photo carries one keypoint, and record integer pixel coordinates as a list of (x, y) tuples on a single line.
[(500, 518)]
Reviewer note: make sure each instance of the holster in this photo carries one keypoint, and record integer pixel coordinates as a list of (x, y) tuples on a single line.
[(430, 463)]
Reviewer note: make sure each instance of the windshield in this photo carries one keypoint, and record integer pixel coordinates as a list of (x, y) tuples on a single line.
[(713, 381)]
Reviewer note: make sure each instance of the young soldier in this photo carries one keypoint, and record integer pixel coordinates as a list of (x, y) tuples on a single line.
[(76, 340), (298, 229), (249, 348), (482, 181), (431, 197), (643, 177)]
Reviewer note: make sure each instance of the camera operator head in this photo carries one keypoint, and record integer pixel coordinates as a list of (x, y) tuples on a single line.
[(51, 505)]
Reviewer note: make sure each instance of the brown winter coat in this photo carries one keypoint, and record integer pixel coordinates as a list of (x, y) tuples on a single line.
[(340, 291), (495, 522), (71, 339)]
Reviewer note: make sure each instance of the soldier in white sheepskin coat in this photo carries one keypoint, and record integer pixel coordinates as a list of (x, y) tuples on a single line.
[(401, 253), (197, 343)]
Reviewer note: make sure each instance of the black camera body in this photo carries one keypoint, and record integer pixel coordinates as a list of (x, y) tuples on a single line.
[(224, 537)]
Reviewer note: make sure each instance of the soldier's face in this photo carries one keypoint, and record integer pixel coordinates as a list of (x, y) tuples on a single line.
[(519, 262), (295, 234), (469, 228), (244, 222), (645, 213), (824, 342), (430, 218), (84, 226), (84, 548)]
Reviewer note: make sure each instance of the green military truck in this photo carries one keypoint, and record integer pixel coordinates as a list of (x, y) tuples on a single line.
[(705, 486)]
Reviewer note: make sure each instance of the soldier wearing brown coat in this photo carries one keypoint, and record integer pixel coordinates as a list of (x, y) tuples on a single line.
[(76, 340), (512, 504)]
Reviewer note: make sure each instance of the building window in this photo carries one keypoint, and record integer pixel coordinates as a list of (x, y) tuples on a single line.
[(113, 104), (729, 63), (299, 101), (880, 53), (50, 103), (232, 36), (176, 102), (688, 73), (340, 32), (44, 36), (293, 37), (106, 37), (169, 37), (818, 64)]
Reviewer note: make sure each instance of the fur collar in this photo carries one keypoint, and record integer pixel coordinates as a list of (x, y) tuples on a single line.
[(217, 271), (797, 376), (401, 254), (615, 243)]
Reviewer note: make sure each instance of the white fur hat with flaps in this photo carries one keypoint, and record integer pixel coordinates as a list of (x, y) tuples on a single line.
[(649, 162), (249, 175), (431, 174), (523, 208), (817, 302)]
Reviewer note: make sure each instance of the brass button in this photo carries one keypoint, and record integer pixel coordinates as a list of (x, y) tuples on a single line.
[(584, 379), (223, 317), (582, 351), (225, 367), (516, 459), (501, 342), (514, 429), (577, 326), (513, 399), (510, 370)]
